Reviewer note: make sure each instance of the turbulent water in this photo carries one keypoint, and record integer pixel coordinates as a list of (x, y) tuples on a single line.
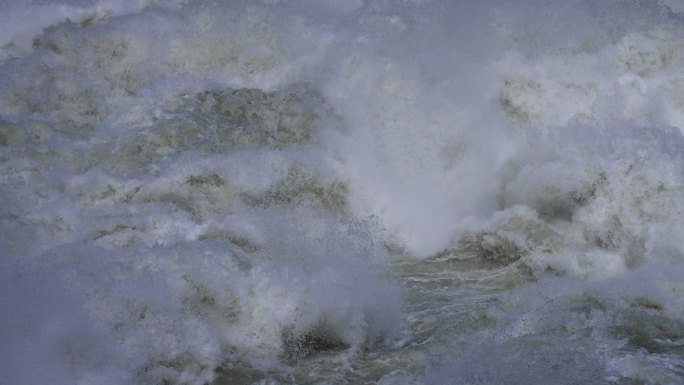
[(341, 192)]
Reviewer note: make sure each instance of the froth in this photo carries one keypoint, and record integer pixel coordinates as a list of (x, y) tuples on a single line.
[(227, 185)]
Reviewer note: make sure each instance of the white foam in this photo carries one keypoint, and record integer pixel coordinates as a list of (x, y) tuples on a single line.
[(152, 233)]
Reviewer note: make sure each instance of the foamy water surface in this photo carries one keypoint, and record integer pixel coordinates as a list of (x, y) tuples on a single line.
[(341, 192)]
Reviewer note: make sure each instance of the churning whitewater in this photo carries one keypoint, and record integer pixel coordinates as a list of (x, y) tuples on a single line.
[(341, 192)]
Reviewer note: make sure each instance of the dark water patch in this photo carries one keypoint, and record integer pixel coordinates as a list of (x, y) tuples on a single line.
[(300, 346)]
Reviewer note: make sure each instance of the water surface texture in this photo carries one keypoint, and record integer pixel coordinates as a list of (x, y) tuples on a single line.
[(341, 192)]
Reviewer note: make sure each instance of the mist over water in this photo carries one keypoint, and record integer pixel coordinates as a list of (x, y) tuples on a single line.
[(305, 192)]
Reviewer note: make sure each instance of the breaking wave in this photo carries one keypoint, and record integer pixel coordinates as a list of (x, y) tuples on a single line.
[(413, 191)]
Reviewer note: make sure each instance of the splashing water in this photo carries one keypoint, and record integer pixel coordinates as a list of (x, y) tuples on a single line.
[(392, 192)]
